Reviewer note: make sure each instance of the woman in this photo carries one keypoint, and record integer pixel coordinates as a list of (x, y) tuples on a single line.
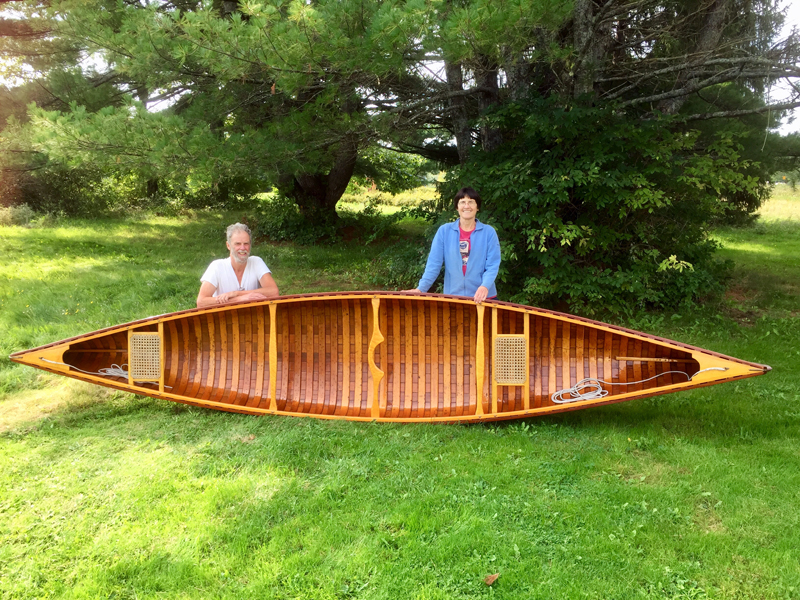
[(469, 250)]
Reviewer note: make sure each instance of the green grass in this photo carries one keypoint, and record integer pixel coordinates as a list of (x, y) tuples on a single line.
[(108, 495)]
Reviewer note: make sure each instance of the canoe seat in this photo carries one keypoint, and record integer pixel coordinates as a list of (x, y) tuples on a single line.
[(510, 359), (144, 360)]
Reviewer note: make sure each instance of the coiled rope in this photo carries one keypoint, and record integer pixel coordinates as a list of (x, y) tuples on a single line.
[(592, 389), (114, 370)]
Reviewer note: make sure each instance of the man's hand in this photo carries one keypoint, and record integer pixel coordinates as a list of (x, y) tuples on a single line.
[(240, 297), (480, 294)]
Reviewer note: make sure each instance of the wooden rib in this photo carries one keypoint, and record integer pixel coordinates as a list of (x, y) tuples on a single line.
[(526, 390), (377, 374), (308, 401), (637, 367), (622, 366), (551, 379), (233, 394), (494, 367), (447, 359), (285, 364), (593, 353), (247, 368), (460, 359), (174, 378), (645, 367), (384, 388), (471, 347), (408, 396), (273, 357), (224, 348), (130, 354), (297, 363), (479, 361), (358, 337), (323, 373), (565, 355), (336, 363), (320, 377), (580, 367), (538, 340), (345, 408), (184, 379), (212, 356), (261, 355), (162, 354), (608, 352), (396, 358), (437, 397), (331, 361), (422, 352)]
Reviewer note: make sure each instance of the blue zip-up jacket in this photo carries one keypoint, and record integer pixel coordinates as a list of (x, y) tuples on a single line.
[(482, 266)]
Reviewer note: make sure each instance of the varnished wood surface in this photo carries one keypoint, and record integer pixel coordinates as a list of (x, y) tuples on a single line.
[(387, 356)]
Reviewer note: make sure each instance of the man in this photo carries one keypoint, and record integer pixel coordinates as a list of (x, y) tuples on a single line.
[(239, 278)]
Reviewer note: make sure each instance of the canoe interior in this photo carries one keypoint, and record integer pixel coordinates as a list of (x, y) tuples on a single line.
[(428, 357)]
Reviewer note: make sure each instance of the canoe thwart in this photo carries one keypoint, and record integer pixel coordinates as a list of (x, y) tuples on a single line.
[(646, 359)]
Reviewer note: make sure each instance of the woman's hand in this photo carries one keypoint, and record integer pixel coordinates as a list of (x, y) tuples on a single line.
[(413, 291), (480, 294)]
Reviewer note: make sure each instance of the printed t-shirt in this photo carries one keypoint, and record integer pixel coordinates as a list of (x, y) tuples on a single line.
[(463, 247)]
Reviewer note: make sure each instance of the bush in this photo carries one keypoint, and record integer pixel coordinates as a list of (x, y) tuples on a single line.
[(595, 209), (278, 218), (16, 215), (400, 266)]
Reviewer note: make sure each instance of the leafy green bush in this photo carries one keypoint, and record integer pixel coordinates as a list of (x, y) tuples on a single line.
[(400, 266), (278, 218), (595, 209)]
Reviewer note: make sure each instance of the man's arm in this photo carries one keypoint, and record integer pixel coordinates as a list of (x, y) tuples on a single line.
[(206, 297), (268, 289)]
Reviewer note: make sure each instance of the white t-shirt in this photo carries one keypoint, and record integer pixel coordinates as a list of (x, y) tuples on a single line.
[(220, 274)]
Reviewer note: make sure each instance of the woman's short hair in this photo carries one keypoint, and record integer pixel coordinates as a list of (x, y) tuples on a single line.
[(233, 229), (467, 192)]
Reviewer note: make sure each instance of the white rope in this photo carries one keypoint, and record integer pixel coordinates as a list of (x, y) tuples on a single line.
[(113, 371), (592, 389)]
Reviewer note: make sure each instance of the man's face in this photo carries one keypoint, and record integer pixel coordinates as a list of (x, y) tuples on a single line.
[(239, 246)]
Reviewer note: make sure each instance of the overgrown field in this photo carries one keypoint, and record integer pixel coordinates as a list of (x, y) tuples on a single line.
[(108, 495)]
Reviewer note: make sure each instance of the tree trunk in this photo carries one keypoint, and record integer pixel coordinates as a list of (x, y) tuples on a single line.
[(486, 79), (458, 111), (317, 194)]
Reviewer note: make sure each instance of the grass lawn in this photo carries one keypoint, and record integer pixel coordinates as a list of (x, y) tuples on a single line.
[(108, 495)]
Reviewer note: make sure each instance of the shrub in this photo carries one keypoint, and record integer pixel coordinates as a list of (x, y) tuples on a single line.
[(278, 218), (21, 214), (595, 209)]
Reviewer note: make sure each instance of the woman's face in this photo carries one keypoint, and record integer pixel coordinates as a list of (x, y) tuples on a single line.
[(467, 208)]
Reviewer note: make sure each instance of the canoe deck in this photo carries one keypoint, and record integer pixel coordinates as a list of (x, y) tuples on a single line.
[(383, 356)]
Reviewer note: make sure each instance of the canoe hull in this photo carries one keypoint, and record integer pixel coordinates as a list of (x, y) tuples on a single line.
[(378, 356)]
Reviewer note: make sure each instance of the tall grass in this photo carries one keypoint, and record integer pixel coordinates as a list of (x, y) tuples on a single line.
[(108, 495)]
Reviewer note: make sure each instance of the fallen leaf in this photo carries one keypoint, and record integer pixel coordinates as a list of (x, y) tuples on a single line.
[(490, 579)]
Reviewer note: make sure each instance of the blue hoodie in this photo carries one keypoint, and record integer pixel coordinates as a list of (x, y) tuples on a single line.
[(482, 267)]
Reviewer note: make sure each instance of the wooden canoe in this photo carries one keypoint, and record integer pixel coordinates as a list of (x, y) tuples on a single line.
[(384, 356)]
